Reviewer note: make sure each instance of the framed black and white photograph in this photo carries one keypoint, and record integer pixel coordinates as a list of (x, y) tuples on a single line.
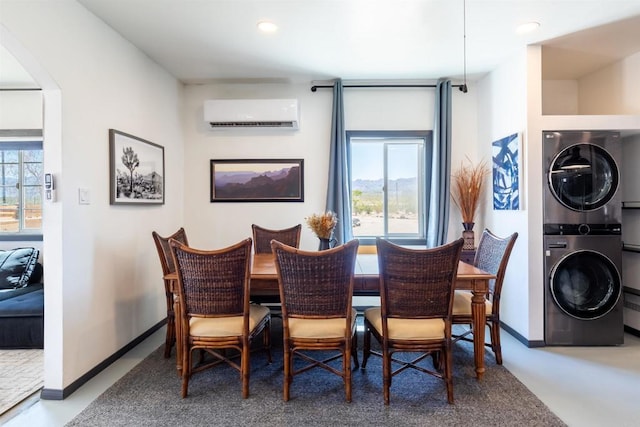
[(506, 172), (264, 180), (136, 169)]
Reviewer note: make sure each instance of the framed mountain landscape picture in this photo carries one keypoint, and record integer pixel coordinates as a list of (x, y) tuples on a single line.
[(262, 180)]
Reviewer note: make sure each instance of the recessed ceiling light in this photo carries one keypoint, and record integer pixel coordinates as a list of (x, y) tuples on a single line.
[(527, 27), (267, 27)]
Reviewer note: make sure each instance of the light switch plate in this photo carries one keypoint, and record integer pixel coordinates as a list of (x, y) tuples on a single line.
[(84, 198)]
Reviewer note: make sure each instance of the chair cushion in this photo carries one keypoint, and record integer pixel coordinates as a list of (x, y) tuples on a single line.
[(462, 303), (226, 326), (319, 328), (407, 329)]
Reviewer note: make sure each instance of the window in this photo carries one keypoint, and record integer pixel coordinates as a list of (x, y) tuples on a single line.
[(388, 194), (21, 174)]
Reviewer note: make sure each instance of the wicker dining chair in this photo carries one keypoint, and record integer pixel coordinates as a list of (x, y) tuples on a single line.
[(215, 313), (492, 256), (316, 289), (168, 267), (262, 237), (416, 295)]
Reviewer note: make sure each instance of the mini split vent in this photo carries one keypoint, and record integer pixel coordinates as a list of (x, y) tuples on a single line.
[(251, 113)]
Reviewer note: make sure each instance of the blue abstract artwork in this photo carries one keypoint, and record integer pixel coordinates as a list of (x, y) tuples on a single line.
[(506, 168)]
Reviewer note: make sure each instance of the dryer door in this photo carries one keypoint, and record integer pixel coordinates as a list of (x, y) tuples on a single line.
[(583, 177), (585, 284)]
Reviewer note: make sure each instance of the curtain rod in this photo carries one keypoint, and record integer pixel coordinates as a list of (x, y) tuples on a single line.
[(17, 89), (463, 87)]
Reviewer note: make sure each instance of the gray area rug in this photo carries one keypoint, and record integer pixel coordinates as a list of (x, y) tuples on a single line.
[(149, 395)]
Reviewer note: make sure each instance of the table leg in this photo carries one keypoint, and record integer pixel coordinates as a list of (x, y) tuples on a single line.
[(478, 315)]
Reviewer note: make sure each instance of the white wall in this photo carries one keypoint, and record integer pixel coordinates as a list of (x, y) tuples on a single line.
[(613, 89), (102, 276), (560, 97), (501, 112), (20, 110), (534, 185), (221, 224), (607, 91)]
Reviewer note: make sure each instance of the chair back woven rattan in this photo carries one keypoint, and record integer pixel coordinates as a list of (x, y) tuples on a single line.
[(316, 289), (492, 256), (262, 237), (215, 313), (168, 267), (416, 295)]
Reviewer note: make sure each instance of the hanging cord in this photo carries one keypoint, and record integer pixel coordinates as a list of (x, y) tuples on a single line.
[(463, 86)]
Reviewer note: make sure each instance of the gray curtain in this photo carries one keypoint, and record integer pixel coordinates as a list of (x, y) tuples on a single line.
[(339, 188), (438, 206)]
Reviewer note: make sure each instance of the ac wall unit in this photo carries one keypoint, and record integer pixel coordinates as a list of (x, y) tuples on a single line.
[(251, 113)]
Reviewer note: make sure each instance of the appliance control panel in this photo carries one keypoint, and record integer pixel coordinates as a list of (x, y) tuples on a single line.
[(583, 229)]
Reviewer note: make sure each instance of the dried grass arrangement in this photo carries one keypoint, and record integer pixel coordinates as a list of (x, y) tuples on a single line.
[(322, 224), (466, 188)]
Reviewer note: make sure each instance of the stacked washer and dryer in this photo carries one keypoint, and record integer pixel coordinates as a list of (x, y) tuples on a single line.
[(582, 238)]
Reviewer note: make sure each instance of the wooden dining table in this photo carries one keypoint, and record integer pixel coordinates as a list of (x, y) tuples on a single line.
[(264, 283)]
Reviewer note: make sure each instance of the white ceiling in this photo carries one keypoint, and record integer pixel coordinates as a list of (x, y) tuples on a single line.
[(217, 40)]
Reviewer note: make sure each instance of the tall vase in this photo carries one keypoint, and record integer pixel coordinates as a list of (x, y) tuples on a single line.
[(327, 243), (468, 236), (324, 244)]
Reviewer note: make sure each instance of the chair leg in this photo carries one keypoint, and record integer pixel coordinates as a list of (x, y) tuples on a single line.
[(366, 346), (186, 372), (266, 340), (448, 362), (494, 329), (178, 335), (354, 350), (286, 383), (346, 369), (245, 367), (171, 335), (386, 375), (437, 360), (170, 338)]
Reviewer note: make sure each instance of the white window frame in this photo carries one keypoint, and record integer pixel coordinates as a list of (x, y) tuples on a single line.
[(397, 137), (21, 140)]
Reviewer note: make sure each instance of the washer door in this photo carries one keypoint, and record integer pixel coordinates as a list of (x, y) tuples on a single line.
[(583, 177), (585, 285)]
